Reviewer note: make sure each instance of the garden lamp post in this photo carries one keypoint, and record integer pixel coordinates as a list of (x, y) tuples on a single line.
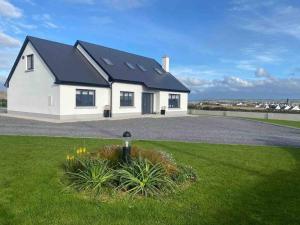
[(126, 146)]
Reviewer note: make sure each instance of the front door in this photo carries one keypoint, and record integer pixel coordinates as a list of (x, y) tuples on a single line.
[(147, 103)]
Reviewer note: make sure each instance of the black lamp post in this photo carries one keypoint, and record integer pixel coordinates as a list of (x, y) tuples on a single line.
[(126, 146)]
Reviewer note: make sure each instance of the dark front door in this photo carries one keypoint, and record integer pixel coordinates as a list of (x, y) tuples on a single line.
[(147, 103)]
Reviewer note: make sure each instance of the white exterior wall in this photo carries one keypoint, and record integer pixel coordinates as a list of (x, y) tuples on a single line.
[(160, 99), (137, 89), (29, 90), (164, 102), (68, 102)]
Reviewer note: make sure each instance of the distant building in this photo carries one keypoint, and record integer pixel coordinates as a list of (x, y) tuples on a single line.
[(296, 108)]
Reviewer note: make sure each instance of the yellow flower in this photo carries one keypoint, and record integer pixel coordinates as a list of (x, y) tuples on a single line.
[(84, 150), (68, 157), (78, 151), (72, 158)]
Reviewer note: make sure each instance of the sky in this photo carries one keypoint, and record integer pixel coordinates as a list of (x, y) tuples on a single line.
[(218, 48)]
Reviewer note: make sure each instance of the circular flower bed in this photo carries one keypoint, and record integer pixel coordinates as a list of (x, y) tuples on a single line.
[(148, 173)]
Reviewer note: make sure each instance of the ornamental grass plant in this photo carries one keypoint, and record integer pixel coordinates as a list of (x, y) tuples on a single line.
[(149, 173)]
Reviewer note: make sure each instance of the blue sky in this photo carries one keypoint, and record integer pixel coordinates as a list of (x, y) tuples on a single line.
[(220, 49)]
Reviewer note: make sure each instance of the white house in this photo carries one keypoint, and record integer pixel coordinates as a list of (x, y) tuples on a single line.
[(89, 81), (296, 108)]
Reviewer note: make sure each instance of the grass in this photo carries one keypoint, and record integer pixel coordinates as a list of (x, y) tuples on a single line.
[(237, 185), (281, 122)]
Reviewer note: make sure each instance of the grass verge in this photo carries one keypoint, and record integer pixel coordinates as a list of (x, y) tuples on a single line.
[(237, 185), (288, 123)]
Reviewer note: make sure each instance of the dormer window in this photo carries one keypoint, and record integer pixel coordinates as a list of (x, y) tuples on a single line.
[(107, 61), (29, 62), (160, 72), (142, 67), (130, 65)]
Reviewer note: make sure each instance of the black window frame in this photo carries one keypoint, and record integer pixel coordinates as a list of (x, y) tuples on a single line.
[(126, 102), (31, 58), (171, 102), (80, 103)]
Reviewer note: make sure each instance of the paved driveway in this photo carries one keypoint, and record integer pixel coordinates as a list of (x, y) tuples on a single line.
[(199, 129)]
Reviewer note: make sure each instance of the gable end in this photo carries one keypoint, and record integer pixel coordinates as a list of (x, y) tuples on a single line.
[(6, 84)]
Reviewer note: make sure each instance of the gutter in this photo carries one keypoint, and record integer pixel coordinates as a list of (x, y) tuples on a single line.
[(111, 95)]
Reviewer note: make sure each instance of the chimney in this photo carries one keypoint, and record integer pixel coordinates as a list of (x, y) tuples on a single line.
[(166, 63)]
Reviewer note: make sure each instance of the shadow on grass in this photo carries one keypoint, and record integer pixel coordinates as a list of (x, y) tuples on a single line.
[(6, 216)]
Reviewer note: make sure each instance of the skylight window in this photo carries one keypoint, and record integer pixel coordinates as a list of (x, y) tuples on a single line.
[(141, 67), (130, 65), (107, 61), (158, 71)]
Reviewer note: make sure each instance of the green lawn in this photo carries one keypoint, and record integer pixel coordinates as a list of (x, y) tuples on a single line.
[(237, 185), (281, 122)]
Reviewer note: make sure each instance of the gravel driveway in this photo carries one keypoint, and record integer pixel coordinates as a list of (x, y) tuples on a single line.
[(198, 129)]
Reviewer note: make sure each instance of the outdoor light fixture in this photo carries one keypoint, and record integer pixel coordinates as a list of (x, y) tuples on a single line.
[(126, 146)]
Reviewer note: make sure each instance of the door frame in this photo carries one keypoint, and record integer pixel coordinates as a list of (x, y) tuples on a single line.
[(152, 103)]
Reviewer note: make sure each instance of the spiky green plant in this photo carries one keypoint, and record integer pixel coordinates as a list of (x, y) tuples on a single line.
[(92, 175), (144, 178)]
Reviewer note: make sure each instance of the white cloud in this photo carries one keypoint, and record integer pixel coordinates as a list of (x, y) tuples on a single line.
[(9, 10), (262, 73), (7, 57), (276, 20), (266, 58), (246, 5), (196, 71), (232, 82), (262, 85), (46, 20), (8, 41), (2, 81), (245, 65), (50, 25)]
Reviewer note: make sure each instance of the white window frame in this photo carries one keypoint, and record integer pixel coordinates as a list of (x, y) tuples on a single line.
[(32, 66)]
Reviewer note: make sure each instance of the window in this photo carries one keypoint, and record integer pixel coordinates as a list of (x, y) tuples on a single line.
[(107, 61), (158, 71), (126, 98), (141, 68), (85, 97), (30, 62), (130, 65), (174, 101)]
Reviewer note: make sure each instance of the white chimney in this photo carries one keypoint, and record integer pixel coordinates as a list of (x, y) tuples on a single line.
[(166, 63)]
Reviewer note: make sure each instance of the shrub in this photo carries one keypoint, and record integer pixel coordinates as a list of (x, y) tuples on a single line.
[(150, 173), (91, 174), (112, 153), (143, 177), (155, 157), (184, 174)]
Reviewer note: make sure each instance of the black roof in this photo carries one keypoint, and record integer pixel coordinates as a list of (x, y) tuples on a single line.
[(69, 66), (119, 71), (65, 62)]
